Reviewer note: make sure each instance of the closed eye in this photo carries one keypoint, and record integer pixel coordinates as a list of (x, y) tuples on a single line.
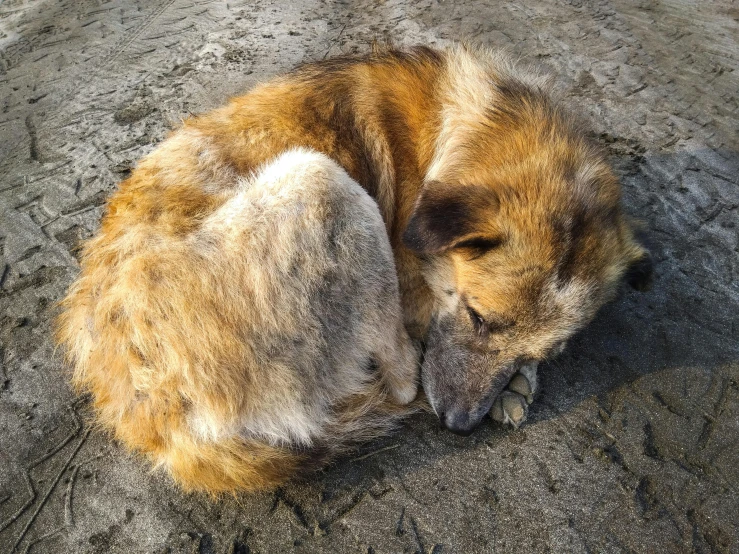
[(477, 321), (478, 246), (483, 326)]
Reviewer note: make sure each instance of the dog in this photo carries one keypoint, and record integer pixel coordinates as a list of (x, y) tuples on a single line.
[(506, 231)]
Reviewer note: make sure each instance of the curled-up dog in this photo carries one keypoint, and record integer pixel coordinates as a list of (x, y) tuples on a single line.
[(239, 289)]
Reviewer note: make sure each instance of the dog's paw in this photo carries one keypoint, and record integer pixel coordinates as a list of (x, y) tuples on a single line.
[(404, 393), (525, 382), (512, 405), (510, 408)]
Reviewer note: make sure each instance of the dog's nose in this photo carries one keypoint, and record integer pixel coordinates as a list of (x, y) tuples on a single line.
[(459, 423)]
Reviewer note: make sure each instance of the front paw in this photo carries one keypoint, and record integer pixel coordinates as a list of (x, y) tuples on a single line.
[(403, 374), (512, 405), (404, 393)]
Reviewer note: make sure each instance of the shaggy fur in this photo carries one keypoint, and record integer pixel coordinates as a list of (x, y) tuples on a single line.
[(227, 312), (237, 345)]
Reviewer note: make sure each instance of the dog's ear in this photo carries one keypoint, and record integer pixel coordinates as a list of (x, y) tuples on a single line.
[(640, 272), (451, 216)]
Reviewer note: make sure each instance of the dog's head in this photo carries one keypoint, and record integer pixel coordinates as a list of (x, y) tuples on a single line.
[(521, 229)]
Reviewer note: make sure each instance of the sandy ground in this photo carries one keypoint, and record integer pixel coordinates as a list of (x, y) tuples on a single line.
[(632, 444)]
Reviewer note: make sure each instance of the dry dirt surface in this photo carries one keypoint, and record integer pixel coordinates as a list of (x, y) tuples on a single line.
[(633, 443)]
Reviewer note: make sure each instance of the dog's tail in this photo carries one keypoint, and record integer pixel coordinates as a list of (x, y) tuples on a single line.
[(366, 417), (229, 465), (237, 464)]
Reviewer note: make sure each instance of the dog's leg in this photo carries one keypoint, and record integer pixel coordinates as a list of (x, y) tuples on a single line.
[(512, 405), (399, 364)]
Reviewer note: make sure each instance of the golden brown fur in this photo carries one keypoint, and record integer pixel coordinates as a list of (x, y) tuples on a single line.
[(494, 204), (230, 345)]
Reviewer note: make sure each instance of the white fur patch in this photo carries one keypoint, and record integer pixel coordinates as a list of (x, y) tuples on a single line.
[(468, 93), (293, 166), (276, 182), (288, 423), (572, 296)]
